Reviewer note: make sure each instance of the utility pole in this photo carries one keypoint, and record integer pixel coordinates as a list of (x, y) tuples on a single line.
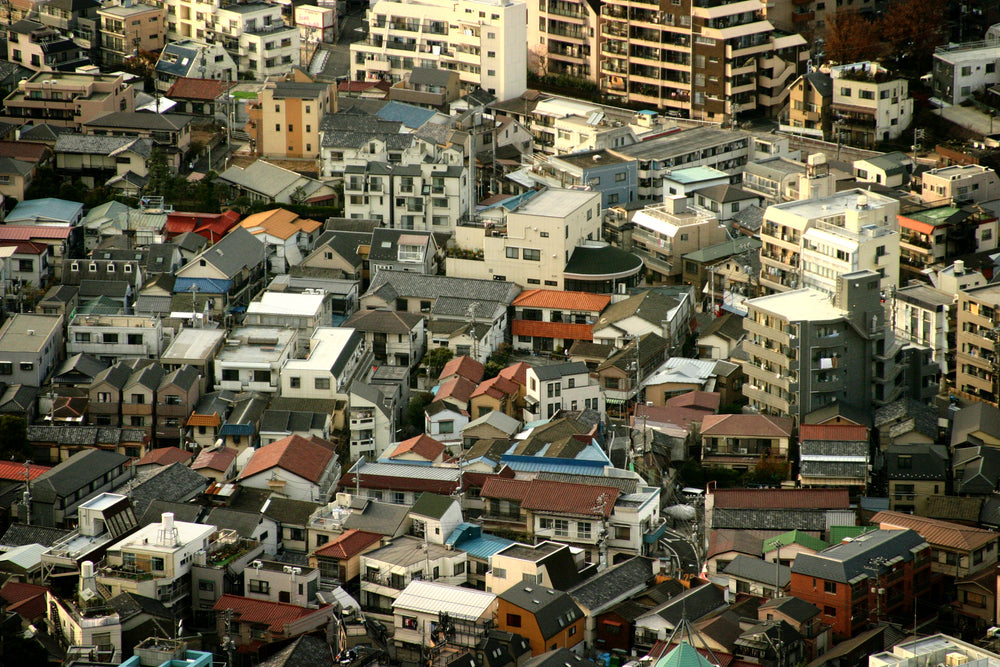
[(228, 643)]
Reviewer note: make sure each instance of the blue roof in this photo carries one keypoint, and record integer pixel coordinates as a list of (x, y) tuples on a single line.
[(409, 115), (542, 464), (512, 202), (236, 429), (49, 208), (648, 112), (185, 60), (204, 285), (468, 537)]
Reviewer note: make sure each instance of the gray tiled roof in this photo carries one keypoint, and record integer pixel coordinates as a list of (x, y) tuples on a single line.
[(614, 583), (74, 473), (294, 421), (553, 610), (140, 120), (405, 284), (96, 144), (348, 139), (175, 482), (19, 534), (756, 569), (554, 371), (237, 250), (306, 650), (358, 122), (383, 321), (847, 560)]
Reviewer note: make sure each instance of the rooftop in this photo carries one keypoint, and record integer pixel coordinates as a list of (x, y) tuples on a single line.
[(801, 305), (557, 202), (430, 597), (152, 538)]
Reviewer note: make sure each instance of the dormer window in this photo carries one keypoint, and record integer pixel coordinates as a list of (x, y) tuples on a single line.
[(111, 268), (93, 267)]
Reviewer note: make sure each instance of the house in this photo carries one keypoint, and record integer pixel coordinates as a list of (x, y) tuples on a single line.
[(47, 211), (241, 429), (621, 376), (230, 273), (752, 576), (277, 582), (196, 348), (295, 467), (218, 465), (337, 357), (199, 97), (739, 442), (16, 177), (291, 236), (339, 254), (394, 337), (30, 347), (96, 159), (183, 59), (25, 264), (278, 424), (803, 617), (268, 183), (692, 605), (434, 517), (399, 483), (210, 226), (262, 622), (43, 48), (403, 250), (875, 575), (427, 87), (385, 572), (491, 426), (785, 547), (548, 618), (834, 455), (421, 449), (176, 397), (649, 311), (418, 614), (480, 547), (162, 456), (552, 320), (873, 104), (606, 589), (72, 100), (957, 551), (810, 510), (567, 386), (208, 416), (462, 366), (809, 98), (915, 473), (169, 132), (339, 559), (285, 119), (890, 169), (664, 234), (496, 394), (719, 339), (372, 420)]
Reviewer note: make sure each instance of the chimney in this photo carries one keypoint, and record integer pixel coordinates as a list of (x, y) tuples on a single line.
[(676, 204)]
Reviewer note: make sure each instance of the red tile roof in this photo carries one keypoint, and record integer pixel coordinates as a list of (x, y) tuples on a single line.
[(665, 414), (561, 330), (217, 459), (550, 298), (478, 479), (699, 400), (505, 489), (423, 445), (937, 533), (362, 86), (496, 387), (24, 150), (204, 420), (387, 482), (27, 247), (29, 232), (465, 367), (197, 89), (28, 600), (781, 498), (846, 432), (763, 426), (516, 373), (458, 388), (566, 498), (164, 456), (294, 454), (349, 543), (273, 614), (15, 471), (213, 226)]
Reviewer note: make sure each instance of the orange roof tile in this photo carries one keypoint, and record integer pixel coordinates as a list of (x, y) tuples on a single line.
[(278, 222), (273, 614), (196, 89), (204, 420), (217, 459), (349, 543), (458, 388), (845, 432), (550, 298), (562, 330), (463, 366), (567, 498), (516, 373), (164, 456), (696, 400), (15, 471), (294, 454), (496, 387), (936, 532), (422, 445), (764, 426)]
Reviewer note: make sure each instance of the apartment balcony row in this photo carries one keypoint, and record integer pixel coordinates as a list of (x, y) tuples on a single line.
[(770, 403), (429, 27), (768, 350)]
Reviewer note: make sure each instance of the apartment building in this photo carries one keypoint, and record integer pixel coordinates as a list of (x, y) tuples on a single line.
[(556, 387), (419, 196), (926, 316), (869, 103), (255, 34), (962, 69), (30, 347), (41, 48), (662, 235), (337, 357), (725, 150), (252, 358), (286, 117), (809, 100), (698, 59), (193, 59), (562, 39), (806, 349), (812, 242), (128, 29), (483, 40), (599, 170), (386, 571), (546, 319), (68, 99), (978, 322), (960, 184), (113, 338)]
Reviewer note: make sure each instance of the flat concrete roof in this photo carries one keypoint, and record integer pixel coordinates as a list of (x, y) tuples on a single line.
[(193, 344), (27, 332), (557, 202), (801, 305)]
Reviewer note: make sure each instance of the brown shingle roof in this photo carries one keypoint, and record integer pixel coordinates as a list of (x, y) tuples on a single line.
[(844, 432), (496, 387), (548, 298), (697, 400), (422, 445), (197, 89), (219, 459), (781, 498), (164, 456), (294, 454), (348, 544), (763, 426), (273, 614), (937, 533), (466, 367), (542, 495), (459, 388)]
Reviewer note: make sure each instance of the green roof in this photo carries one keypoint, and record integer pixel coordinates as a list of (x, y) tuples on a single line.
[(794, 537), (942, 215), (723, 250), (838, 533), (694, 174), (684, 655), (431, 505)]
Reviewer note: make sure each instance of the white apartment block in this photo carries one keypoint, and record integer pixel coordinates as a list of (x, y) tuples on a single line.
[(252, 358), (429, 197), (960, 184), (256, 32), (112, 338), (922, 316), (870, 104), (336, 355), (483, 40), (557, 387), (962, 69), (811, 243)]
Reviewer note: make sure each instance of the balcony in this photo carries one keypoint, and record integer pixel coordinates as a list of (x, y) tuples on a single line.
[(803, 17)]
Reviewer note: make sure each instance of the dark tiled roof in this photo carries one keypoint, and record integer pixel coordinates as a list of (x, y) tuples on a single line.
[(75, 472), (847, 560), (307, 650), (614, 583), (553, 610), (19, 534), (755, 569)]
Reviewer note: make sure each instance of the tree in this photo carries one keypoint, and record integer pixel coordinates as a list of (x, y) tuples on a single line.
[(14, 438), (851, 38), (912, 30), (415, 414), (436, 358)]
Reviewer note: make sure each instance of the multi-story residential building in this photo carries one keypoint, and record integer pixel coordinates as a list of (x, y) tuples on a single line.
[(978, 321), (42, 48), (418, 611), (698, 60), (960, 184), (316, 24), (192, 59), (725, 150), (415, 196), (290, 236), (547, 319), (30, 347), (938, 235), (812, 242), (252, 358), (916, 473), (71, 101), (395, 338), (280, 582), (869, 103), (129, 28), (957, 551), (285, 120), (221, 572), (484, 40), (257, 34), (113, 338), (554, 622), (155, 560), (874, 576), (835, 455), (337, 357), (372, 423), (739, 442), (926, 316), (557, 387), (963, 69), (358, 140), (663, 234), (612, 175), (890, 169), (562, 39), (176, 397), (809, 100), (806, 350), (385, 572)]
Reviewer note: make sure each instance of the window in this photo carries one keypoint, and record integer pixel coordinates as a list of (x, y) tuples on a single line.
[(623, 533), (572, 631), (447, 426), (991, 68), (27, 366), (845, 91), (830, 587), (967, 70), (262, 376), (294, 382), (156, 563), (459, 569), (110, 339), (135, 339), (259, 586), (82, 336), (208, 586), (532, 254), (583, 530), (560, 527), (830, 611), (138, 399), (513, 620), (513, 253), (544, 235), (322, 383), (230, 375)]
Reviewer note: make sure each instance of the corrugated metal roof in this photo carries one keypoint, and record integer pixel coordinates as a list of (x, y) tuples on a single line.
[(937, 533), (432, 598)]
